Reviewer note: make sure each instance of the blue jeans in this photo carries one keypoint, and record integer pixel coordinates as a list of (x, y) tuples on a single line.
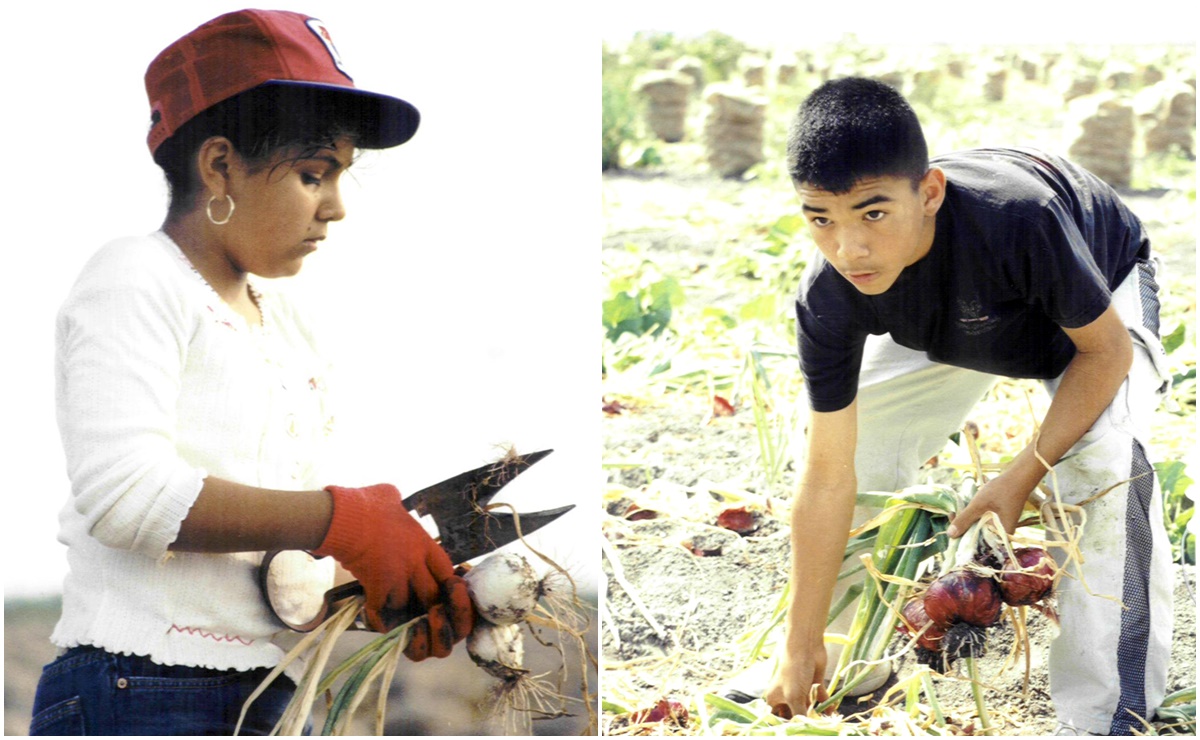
[(88, 691)]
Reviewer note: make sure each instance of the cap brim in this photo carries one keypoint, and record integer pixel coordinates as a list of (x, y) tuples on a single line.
[(385, 121)]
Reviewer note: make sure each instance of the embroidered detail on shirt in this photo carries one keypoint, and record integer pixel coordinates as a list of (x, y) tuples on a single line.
[(197, 632), (972, 320), (220, 320)]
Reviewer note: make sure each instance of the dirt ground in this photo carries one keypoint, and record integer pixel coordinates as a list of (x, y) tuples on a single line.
[(704, 607), (684, 594)]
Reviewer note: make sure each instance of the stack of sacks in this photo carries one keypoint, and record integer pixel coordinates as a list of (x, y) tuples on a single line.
[(733, 129), (1101, 132), (1167, 113), (666, 94)]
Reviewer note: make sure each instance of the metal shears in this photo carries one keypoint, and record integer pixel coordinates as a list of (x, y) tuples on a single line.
[(467, 529)]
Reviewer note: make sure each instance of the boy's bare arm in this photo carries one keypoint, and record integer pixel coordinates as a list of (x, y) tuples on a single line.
[(1104, 353), (822, 510)]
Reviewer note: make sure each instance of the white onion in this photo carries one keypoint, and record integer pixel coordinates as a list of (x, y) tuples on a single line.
[(498, 649), (503, 588)]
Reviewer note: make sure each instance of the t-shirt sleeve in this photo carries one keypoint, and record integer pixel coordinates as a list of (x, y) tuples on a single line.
[(1064, 280), (830, 347)]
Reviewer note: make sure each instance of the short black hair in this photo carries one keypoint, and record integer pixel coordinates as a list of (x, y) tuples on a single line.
[(259, 123), (853, 128)]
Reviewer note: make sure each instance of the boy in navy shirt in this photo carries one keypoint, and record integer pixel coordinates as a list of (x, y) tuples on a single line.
[(934, 278)]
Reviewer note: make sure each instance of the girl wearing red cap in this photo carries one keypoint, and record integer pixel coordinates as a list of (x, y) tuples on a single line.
[(192, 402)]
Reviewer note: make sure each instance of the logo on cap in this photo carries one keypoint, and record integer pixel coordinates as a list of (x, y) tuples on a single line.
[(320, 31)]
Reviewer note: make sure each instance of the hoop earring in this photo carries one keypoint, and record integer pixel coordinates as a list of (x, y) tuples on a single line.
[(208, 210)]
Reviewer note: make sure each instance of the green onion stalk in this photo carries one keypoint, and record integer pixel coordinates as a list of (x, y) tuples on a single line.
[(910, 530)]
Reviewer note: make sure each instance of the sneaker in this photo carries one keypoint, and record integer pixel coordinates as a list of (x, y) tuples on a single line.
[(751, 683), (1067, 729)]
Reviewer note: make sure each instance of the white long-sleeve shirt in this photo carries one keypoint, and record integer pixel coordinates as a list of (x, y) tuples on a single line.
[(159, 385)]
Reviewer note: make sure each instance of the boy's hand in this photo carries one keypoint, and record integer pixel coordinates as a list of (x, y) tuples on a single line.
[(791, 687), (1003, 494)]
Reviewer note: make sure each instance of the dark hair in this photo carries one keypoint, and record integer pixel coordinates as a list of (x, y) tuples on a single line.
[(259, 123), (854, 128)]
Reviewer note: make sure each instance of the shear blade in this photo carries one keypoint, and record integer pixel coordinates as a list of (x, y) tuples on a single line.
[(470, 490), (476, 533)]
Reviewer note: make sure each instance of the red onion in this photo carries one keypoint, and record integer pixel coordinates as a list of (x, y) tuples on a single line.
[(1028, 579), (963, 596), (666, 710), (915, 620), (740, 520)]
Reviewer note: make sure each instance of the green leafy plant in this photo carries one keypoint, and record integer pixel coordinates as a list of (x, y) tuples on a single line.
[(1177, 508), (1174, 340), (772, 426), (618, 119), (720, 53), (618, 122), (772, 254), (781, 233), (640, 303), (1179, 709)]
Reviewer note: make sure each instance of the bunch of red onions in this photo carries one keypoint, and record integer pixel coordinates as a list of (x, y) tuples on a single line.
[(951, 618)]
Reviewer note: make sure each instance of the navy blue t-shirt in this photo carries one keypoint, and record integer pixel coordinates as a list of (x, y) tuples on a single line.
[(1025, 243)]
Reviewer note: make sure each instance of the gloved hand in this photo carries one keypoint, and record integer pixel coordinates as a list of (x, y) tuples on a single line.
[(401, 568), (445, 623)]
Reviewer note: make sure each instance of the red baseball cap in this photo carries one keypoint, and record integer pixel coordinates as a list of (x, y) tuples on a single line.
[(249, 48)]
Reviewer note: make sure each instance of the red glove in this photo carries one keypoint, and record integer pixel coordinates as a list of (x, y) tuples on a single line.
[(445, 624), (401, 568)]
